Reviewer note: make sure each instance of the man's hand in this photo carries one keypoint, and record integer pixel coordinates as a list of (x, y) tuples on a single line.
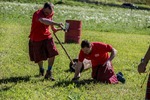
[(77, 71), (57, 29), (75, 79), (107, 64), (60, 25)]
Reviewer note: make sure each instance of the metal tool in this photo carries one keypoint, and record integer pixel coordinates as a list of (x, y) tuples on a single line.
[(65, 29)]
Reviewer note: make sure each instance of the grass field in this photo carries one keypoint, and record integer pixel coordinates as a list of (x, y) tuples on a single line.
[(126, 30)]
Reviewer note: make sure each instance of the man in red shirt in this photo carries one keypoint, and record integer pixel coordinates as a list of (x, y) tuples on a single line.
[(41, 44), (102, 69), (142, 68)]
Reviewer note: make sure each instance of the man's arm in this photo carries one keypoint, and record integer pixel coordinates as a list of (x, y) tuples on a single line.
[(77, 71), (144, 62), (112, 55), (49, 22), (56, 29)]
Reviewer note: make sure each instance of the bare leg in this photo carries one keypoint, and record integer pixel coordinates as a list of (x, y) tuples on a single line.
[(51, 61), (49, 72), (41, 69), (40, 64)]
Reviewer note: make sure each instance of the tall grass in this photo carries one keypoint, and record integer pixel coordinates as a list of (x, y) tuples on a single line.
[(101, 19), (18, 79), (106, 1)]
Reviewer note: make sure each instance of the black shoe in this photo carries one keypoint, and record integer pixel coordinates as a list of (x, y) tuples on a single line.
[(120, 77), (41, 73), (120, 73), (48, 75)]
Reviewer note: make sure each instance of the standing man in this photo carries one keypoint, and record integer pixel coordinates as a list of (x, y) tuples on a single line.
[(41, 44), (102, 69), (142, 68)]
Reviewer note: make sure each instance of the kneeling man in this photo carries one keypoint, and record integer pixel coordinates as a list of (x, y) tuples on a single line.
[(102, 69)]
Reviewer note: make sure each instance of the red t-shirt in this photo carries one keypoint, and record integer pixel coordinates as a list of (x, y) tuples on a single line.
[(40, 31), (98, 55)]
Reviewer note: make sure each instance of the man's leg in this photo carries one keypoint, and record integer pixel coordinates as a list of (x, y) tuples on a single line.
[(106, 74), (147, 97), (41, 69), (49, 70), (51, 61)]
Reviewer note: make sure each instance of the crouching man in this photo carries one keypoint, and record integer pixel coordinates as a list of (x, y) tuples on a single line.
[(102, 69)]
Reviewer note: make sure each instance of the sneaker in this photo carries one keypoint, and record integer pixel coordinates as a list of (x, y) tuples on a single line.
[(120, 77), (41, 72), (120, 73), (48, 75)]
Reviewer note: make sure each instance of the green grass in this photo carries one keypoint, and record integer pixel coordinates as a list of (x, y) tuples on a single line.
[(18, 74)]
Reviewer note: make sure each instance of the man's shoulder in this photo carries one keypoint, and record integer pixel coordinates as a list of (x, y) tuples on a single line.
[(38, 12), (97, 43), (100, 45)]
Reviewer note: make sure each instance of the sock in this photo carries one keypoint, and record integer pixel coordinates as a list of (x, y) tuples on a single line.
[(49, 68), (41, 68)]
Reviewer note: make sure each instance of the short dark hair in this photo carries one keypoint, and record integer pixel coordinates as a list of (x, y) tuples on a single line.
[(48, 5), (85, 43)]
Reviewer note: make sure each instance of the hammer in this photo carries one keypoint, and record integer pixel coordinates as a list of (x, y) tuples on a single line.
[(65, 30)]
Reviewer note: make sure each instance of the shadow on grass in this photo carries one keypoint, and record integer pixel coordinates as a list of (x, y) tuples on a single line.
[(15, 79), (79, 83), (12, 80)]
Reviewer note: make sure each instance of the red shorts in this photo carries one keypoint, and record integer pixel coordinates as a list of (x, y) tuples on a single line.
[(106, 77), (41, 50)]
